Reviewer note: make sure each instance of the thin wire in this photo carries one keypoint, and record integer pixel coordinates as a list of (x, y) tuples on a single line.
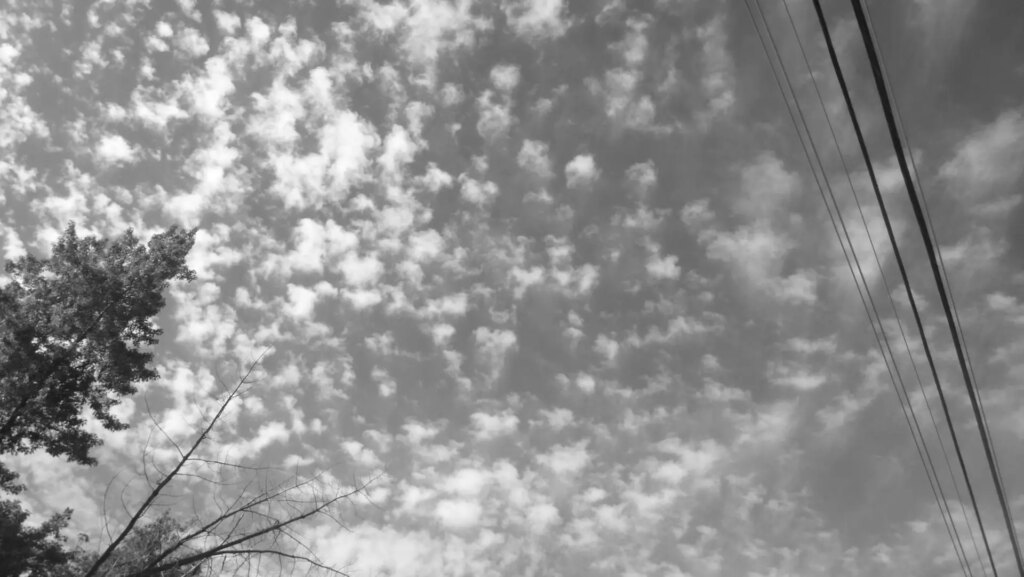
[(961, 557), (874, 251), (942, 263), (940, 286)]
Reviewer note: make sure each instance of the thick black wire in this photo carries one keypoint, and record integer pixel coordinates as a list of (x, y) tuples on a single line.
[(942, 261), (899, 260), (961, 557), (944, 298), (888, 292)]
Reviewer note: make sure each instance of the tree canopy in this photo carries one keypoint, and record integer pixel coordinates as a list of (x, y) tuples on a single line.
[(74, 333)]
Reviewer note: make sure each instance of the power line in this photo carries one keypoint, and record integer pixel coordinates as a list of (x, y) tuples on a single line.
[(942, 262), (937, 274), (950, 528), (867, 230), (902, 268)]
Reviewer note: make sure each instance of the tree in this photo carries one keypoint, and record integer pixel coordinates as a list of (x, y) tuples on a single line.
[(145, 543), (74, 330), (74, 333), (31, 551), (237, 527)]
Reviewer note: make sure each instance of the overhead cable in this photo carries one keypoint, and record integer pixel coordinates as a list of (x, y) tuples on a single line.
[(867, 230), (943, 296), (960, 553)]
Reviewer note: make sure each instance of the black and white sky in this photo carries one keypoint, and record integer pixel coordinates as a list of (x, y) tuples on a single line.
[(558, 268)]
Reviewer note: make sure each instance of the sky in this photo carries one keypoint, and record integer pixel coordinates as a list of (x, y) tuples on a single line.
[(557, 273)]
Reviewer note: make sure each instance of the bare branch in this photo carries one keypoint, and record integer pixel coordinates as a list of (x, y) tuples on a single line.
[(171, 475)]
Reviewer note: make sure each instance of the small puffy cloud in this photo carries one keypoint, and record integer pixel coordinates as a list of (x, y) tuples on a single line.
[(718, 79), (586, 383), (452, 94), (300, 303), (361, 454), (796, 377), (607, 348), (696, 215), (641, 179), (362, 298), (114, 149), (581, 172), (360, 271), (533, 157), (399, 150), (633, 47), (756, 254), (495, 117), (13, 247), (493, 345), (663, 267), (558, 418), (210, 90), (624, 105), (466, 482), (986, 169), (458, 513), (212, 251), (425, 245), (766, 187), (536, 19), (542, 517), (693, 459), (505, 77), (566, 460), (476, 192), (346, 144), (491, 426)]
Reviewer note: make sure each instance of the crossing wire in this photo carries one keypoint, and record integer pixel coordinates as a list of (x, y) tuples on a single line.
[(942, 261), (943, 296), (892, 304), (961, 556)]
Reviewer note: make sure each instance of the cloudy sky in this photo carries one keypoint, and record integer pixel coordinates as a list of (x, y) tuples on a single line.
[(558, 269)]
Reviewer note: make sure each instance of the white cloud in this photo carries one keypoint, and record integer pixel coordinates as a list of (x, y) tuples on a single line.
[(986, 168), (360, 271), (466, 482), (581, 172), (212, 251), (718, 81), (566, 460), (586, 383), (361, 454), (495, 117), (533, 157), (536, 19), (505, 77), (766, 188), (209, 91), (114, 149), (301, 301), (490, 426), (663, 267), (458, 513), (542, 517), (642, 178), (346, 143)]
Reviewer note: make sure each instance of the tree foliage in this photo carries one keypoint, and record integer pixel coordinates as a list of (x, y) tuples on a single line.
[(145, 543), (74, 333), (31, 551)]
